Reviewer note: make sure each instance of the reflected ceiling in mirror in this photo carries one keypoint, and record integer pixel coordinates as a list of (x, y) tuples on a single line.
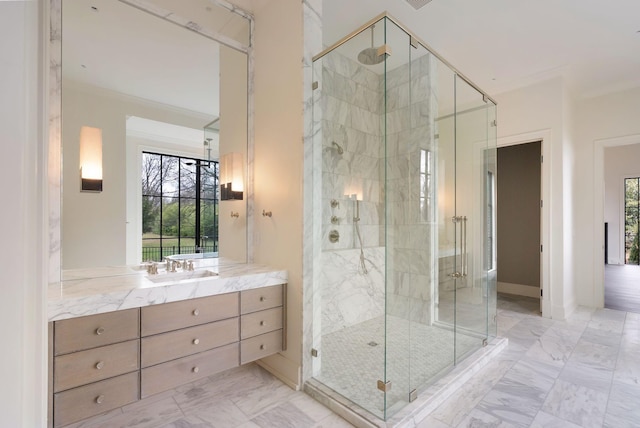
[(127, 61)]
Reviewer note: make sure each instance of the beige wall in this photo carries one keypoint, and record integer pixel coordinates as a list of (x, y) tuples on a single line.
[(233, 139), (519, 214), (25, 253), (279, 162)]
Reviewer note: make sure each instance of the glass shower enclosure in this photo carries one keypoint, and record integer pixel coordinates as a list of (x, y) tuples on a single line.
[(404, 202)]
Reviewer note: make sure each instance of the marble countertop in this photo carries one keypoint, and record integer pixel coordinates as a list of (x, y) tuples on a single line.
[(93, 291)]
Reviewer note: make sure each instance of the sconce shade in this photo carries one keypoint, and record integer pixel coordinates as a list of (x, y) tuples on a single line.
[(90, 159), (231, 177)]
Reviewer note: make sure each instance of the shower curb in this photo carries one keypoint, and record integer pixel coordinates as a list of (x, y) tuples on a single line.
[(418, 410)]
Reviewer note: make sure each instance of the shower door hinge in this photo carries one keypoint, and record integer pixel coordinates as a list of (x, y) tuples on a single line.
[(494, 123), (314, 85), (485, 99), (413, 395), (413, 42), (384, 386), (314, 352), (485, 342)]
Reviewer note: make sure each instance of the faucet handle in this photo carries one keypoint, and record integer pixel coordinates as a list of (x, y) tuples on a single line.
[(190, 265)]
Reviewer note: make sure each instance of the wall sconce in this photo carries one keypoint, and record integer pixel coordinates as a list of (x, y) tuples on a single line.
[(231, 177), (90, 159)]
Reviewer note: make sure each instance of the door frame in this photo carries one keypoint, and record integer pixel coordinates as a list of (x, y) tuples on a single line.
[(544, 136), (598, 210)]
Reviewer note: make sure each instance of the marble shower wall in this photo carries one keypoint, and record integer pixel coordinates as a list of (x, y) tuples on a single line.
[(353, 108), (411, 233), (352, 144)]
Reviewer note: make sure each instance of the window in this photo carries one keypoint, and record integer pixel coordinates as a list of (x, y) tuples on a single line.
[(631, 220), (179, 206)]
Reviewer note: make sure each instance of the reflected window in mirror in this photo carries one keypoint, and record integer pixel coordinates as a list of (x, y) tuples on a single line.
[(179, 206)]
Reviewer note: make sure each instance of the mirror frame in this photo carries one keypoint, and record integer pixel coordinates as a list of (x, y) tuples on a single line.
[(55, 157)]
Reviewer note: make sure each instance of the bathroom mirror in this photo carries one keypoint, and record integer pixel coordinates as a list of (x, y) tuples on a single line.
[(165, 83)]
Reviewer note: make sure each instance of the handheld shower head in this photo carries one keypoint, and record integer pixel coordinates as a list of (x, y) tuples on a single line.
[(339, 148)]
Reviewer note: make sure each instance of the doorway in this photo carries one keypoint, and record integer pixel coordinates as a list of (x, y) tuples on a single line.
[(519, 219), (622, 216)]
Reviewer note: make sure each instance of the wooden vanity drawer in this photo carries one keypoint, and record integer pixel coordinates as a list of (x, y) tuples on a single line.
[(80, 368), (169, 346), (260, 322), (172, 316), (87, 332), (187, 369), (79, 403), (259, 299), (260, 346)]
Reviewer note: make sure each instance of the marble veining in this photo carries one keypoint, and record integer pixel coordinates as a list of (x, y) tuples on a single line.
[(128, 287)]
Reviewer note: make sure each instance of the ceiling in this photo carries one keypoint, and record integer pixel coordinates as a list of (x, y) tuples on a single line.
[(506, 44)]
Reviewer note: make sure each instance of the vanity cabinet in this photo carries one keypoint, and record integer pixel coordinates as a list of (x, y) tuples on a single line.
[(184, 341), (261, 322), (105, 361), (96, 360)]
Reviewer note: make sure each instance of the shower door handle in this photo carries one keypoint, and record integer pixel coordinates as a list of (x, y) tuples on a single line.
[(463, 238), (464, 258)]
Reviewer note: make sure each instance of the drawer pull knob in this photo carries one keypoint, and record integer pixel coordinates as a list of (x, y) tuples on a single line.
[(263, 347), (196, 369), (196, 341), (99, 330), (263, 323), (262, 298), (99, 399), (196, 312), (99, 365)]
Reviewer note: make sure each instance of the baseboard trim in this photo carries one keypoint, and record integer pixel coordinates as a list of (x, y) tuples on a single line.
[(282, 368), (518, 289)]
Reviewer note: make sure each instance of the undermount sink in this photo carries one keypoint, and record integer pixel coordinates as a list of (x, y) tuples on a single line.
[(178, 276)]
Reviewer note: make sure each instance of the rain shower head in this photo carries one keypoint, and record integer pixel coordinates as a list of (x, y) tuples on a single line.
[(372, 55)]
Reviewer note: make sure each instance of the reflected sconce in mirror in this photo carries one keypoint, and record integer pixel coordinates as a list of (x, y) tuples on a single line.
[(231, 177), (90, 159)]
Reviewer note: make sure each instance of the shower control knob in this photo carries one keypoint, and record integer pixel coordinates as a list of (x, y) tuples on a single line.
[(334, 236), (335, 219)]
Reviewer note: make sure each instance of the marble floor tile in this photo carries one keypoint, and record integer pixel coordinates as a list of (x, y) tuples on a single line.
[(594, 355), (218, 414), (623, 409), (480, 419), (601, 337), (285, 415), (533, 374), (513, 402), (189, 422), (257, 400), (153, 415), (577, 404), (335, 421), (598, 378), (431, 422), (551, 349), (453, 411), (545, 420), (628, 366)]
